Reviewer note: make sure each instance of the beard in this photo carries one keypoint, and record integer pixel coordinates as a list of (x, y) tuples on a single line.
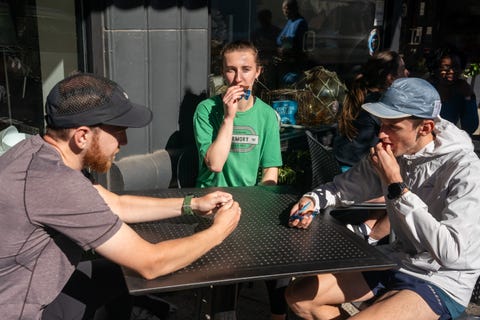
[(96, 160)]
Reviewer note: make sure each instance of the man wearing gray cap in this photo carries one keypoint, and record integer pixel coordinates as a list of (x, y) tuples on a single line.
[(430, 176), (51, 212)]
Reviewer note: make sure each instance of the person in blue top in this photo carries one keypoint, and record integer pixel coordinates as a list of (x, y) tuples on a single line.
[(459, 104), (290, 43), (291, 36)]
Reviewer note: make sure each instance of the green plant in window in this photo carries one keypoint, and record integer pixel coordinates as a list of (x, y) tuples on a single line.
[(472, 70), (293, 170), (286, 175)]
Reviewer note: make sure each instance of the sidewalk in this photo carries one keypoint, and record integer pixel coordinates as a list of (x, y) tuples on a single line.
[(252, 305)]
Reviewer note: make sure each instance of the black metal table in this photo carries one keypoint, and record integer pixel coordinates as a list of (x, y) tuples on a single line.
[(262, 246)]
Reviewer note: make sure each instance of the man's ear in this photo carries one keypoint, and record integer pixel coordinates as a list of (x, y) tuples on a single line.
[(427, 127), (81, 136), (389, 79)]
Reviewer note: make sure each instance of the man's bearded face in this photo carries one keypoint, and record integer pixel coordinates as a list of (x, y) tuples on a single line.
[(95, 159)]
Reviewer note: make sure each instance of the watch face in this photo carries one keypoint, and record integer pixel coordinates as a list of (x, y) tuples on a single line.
[(395, 190)]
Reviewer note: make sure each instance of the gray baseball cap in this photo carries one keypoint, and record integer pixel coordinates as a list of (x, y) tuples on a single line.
[(407, 97)]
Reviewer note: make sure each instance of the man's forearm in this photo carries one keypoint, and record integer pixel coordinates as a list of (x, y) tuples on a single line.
[(140, 209)]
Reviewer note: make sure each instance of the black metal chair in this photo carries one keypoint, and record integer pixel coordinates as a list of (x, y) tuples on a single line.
[(324, 168), (187, 167), (476, 292), (324, 164)]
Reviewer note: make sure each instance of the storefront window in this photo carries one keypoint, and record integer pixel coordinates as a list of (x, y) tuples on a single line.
[(38, 45), (335, 36)]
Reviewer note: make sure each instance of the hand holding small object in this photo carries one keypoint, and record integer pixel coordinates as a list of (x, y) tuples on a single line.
[(247, 94), (299, 214), (211, 202)]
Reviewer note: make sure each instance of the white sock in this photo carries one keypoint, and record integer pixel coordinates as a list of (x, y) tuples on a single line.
[(367, 228)]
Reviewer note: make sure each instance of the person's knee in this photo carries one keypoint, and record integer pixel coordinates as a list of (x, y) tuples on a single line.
[(296, 302)]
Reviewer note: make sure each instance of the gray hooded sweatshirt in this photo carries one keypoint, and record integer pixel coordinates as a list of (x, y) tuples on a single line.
[(437, 223)]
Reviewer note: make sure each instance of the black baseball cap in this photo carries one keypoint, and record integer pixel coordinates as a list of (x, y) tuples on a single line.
[(87, 99)]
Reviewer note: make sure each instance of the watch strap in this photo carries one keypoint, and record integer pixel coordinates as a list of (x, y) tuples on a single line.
[(186, 206)]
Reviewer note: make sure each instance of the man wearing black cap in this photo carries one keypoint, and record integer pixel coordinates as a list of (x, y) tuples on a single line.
[(51, 212), (430, 176)]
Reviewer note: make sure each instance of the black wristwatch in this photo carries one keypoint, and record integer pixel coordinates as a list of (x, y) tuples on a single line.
[(395, 190)]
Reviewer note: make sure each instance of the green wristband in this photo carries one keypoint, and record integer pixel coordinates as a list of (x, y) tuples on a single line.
[(186, 206)]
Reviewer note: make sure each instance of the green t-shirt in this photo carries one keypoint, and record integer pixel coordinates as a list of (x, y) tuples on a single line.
[(255, 143)]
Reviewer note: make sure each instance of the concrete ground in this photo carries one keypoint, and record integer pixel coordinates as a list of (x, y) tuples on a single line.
[(252, 305)]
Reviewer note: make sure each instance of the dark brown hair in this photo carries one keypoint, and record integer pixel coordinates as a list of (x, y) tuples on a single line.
[(374, 75)]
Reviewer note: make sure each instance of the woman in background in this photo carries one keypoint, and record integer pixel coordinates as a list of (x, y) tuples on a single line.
[(358, 130), (459, 104)]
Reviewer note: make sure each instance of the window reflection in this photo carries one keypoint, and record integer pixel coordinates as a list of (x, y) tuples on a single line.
[(335, 37), (308, 48), (38, 47)]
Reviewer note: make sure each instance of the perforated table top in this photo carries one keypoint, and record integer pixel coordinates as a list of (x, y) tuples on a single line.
[(261, 247)]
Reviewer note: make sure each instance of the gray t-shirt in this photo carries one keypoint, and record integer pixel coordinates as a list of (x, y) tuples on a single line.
[(49, 214)]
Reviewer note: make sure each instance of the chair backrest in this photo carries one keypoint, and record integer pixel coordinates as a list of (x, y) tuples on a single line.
[(476, 292), (141, 172), (187, 167), (324, 164)]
